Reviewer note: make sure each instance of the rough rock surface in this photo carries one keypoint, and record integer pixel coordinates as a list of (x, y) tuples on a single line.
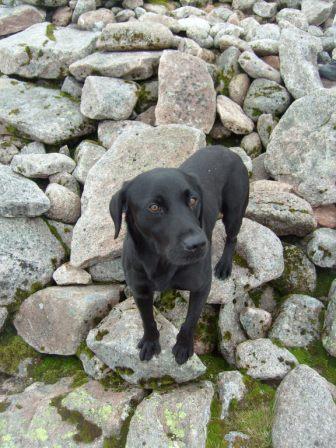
[(65, 205), (321, 247), (109, 131), (18, 18), (257, 68), (317, 11), (256, 322), (69, 275), (233, 117), (42, 165), (329, 330), (230, 387), (86, 155), (108, 271)]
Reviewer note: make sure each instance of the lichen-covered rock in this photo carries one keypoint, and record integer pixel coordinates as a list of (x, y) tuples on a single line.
[(251, 144), (238, 88), (104, 98), (329, 329), (108, 271), (233, 117), (264, 9), (57, 319), (18, 18), (265, 125), (197, 29), (34, 148), (29, 254), (317, 11), (93, 366), (65, 205), (301, 150), (115, 339), (86, 155), (132, 153), (290, 16), (7, 150), (185, 96), (3, 317), (44, 51), (20, 196), (69, 275), (95, 20), (42, 165), (305, 411), (72, 87), (264, 360), (40, 113), (63, 232), (256, 322), (321, 247), (257, 68), (169, 419), (109, 131), (67, 180), (230, 387)]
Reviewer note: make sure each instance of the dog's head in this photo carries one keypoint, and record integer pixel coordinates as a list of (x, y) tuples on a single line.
[(163, 209)]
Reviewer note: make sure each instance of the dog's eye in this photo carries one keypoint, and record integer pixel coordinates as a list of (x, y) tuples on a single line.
[(154, 208), (192, 202)]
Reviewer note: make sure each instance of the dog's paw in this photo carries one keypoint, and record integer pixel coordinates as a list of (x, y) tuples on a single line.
[(183, 352), (148, 349), (223, 270)]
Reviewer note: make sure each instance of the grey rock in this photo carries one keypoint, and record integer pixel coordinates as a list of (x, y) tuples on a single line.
[(265, 47), (258, 169), (104, 98), (250, 27), (18, 18), (267, 31), (20, 196), (109, 131), (95, 20), (230, 387), (65, 205), (265, 125), (243, 5), (238, 88), (233, 117), (301, 148), (29, 254), (3, 317), (69, 275), (72, 87), (329, 329), (42, 165), (83, 6), (125, 15), (256, 322), (251, 144), (317, 11), (291, 16), (92, 365), (225, 41), (264, 9), (298, 62), (135, 65), (62, 16), (108, 271), (40, 113), (234, 437), (47, 3), (44, 50), (167, 21), (86, 155), (265, 97), (115, 339), (7, 151), (257, 68), (67, 180), (245, 158), (33, 148), (321, 247), (305, 412), (197, 29), (63, 232), (264, 360), (57, 319)]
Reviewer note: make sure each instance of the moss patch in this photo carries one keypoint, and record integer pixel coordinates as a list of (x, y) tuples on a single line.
[(324, 280), (222, 81), (53, 230), (215, 364), (21, 295), (50, 32)]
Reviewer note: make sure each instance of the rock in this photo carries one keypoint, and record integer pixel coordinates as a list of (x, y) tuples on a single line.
[(225, 28), (64, 149), (265, 125), (265, 97), (198, 30), (304, 411), (72, 87), (245, 158), (256, 322), (317, 11), (264, 9), (63, 233), (104, 98), (238, 88), (186, 97), (250, 27), (42, 165), (264, 360), (267, 31), (257, 68), (65, 205), (7, 151), (230, 387), (109, 131), (18, 18), (67, 180), (218, 131), (228, 69), (135, 36), (33, 148), (265, 47), (225, 41), (148, 116), (301, 148), (135, 65), (69, 275), (44, 51), (125, 15), (233, 117), (108, 271), (273, 61), (251, 144), (275, 206), (258, 169), (82, 6), (298, 62), (87, 154), (321, 247), (92, 366), (329, 329), (62, 16), (95, 20), (57, 319), (29, 254), (290, 16), (40, 113), (267, 299), (92, 240), (325, 216), (47, 3), (20, 196), (3, 317), (115, 339), (167, 21), (298, 323)]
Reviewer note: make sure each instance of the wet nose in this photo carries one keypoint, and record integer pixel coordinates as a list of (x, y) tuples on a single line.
[(194, 242)]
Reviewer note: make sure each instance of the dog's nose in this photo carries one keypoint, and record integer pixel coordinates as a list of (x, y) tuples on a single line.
[(194, 242)]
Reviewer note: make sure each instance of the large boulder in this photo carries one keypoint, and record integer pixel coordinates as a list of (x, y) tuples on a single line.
[(132, 153), (301, 151)]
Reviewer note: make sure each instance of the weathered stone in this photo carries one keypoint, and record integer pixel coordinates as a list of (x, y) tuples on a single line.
[(135, 36), (72, 87), (67, 180), (7, 151), (62, 16), (265, 47), (108, 271), (65, 205), (92, 365), (258, 169), (305, 412), (321, 247), (225, 41), (104, 98), (167, 21), (238, 88), (243, 5), (265, 125), (63, 232), (109, 131), (56, 320), (250, 27), (218, 131), (325, 216), (40, 113), (81, 7), (34, 148), (257, 68), (273, 61), (233, 117), (95, 20), (69, 275), (234, 437), (329, 329), (188, 96), (47, 3), (245, 158), (44, 51), (130, 65), (230, 387), (251, 144), (264, 360), (256, 322), (115, 341), (264, 9), (42, 165), (131, 153), (29, 254), (301, 150), (20, 196), (267, 31), (18, 18), (86, 155), (168, 419), (3, 317), (197, 29), (317, 11), (298, 62)]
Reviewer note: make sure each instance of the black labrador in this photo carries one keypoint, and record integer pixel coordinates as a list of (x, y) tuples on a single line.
[(170, 216)]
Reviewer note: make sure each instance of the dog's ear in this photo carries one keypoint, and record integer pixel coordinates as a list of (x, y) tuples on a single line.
[(193, 179), (117, 207)]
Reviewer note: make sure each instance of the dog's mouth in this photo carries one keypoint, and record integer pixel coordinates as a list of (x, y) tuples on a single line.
[(182, 257)]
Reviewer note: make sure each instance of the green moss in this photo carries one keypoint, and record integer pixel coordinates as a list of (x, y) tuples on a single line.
[(4, 405), (167, 300), (112, 381), (240, 261), (12, 130), (50, 32), (21, 295), (215, 364), (324, 280), (123, 371), (51, 368), (256, 112), (67, 95), (159, 2), (100, 334), (14, 112), (29, 54), (222, 81), (54, 231), (83, 348), (207, 329), (157, 383)]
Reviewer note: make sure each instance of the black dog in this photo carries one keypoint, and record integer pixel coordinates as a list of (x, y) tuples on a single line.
[(170, 215)]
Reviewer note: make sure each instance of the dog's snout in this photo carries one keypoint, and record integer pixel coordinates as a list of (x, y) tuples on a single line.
[(194, 242)]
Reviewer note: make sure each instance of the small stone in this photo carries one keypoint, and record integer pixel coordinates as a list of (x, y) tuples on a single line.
[(264, 9), (108, 271), (72, 87), (225, 41), (265, 47), (65, 205), (325, 216), (109, 131), (243, 5), (321, 247), (251, 144), (250, 27), (233, 117), (258, 169), (125, 15), (230, 387), (273, 61), (83, 6), (95, 20), (69, 275), (148, 116), (7, 151), (64, 150), (132, 4), (3, 317), (267, 31), (329, 328), (218, 131), (104, 98), (197, 29), (264, 360), (167, 21), (92, 365), (265, 125), (238, 88), (18, 18), (256, 322), (257, 68), (41, 165), (62, 16), (33, 148), (67, 180), (86, 155)]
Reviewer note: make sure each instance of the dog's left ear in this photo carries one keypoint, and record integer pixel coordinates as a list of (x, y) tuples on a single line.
[(117, 206), (197, 186)]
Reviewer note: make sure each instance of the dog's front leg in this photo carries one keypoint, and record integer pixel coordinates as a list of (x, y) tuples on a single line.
[(149, 344), (184, 347)]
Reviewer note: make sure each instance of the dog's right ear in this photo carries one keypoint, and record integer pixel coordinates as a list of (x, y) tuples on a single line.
[(117, 206)]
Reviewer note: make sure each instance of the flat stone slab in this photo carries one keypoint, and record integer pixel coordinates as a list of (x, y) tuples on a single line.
[(40, 113), (20, 196), (44, 50), (18, 18), (114, 341), (56, 320)]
